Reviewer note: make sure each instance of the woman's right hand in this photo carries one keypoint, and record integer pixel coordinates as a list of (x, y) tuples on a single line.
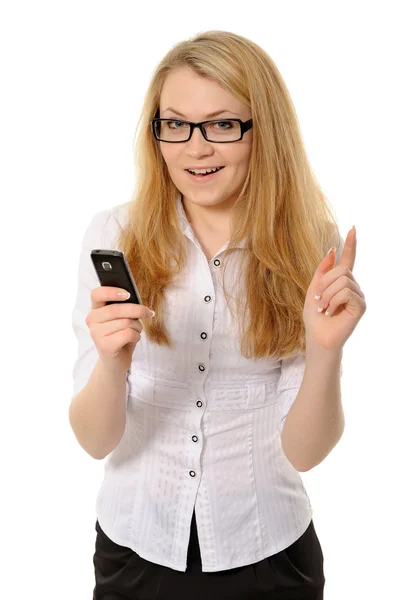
[(115, 328)]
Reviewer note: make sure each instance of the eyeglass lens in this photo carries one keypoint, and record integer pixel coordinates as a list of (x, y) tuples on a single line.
[(216, 131)]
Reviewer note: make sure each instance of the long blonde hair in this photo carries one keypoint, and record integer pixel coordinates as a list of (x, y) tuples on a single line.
[(281, 209)]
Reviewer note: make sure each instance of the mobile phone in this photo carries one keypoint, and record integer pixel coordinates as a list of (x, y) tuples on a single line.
[(113, 270)]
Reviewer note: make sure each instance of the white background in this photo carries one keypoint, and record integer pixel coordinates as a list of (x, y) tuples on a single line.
[(73, 77)]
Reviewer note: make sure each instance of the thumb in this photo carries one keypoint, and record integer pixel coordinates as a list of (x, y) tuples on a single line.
[(328, 261), (326, 265)]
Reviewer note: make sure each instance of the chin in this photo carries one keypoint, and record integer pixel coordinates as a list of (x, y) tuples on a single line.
[(205, 197)]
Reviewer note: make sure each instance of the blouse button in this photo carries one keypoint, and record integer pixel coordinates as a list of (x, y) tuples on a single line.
[(207, 298), (201, 367), (216, 262), (193, 474), (199, 403), (194, 438), (204, 335)]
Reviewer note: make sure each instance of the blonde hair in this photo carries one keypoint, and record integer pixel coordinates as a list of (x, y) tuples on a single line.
[(281, 209)]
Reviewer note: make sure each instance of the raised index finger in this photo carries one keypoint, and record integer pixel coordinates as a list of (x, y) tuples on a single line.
[(348, 255)]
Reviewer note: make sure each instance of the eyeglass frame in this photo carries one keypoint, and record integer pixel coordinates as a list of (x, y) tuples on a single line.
[(244, 126)]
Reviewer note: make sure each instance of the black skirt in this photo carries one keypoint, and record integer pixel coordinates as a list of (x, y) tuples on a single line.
[(295, 573)]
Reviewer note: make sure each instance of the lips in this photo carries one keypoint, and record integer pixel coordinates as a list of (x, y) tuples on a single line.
[(203, 179), (218, 169)]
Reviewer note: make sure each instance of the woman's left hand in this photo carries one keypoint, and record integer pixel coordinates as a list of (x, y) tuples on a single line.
[(341, 297)]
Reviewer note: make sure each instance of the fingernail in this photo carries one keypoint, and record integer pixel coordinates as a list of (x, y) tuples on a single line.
[(334, 248), (124, 295), (151, 313)]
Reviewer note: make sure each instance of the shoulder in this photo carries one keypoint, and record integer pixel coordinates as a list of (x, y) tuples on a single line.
[(106, 224), (119, 214)]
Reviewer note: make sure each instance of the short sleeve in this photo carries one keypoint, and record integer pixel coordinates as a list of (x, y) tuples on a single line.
[(99, 234)]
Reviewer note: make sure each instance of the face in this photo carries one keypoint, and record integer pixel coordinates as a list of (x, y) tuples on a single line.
[(196, 97)]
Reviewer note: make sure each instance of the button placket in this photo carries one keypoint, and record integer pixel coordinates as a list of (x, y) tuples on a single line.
[(204, 335), (202, 368)]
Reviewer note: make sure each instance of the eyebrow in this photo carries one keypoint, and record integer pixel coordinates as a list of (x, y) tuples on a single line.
[(213, 114)]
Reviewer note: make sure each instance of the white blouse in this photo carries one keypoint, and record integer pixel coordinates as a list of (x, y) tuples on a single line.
[(203, 425)]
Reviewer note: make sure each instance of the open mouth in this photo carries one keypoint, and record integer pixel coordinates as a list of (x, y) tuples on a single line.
[(202, 177)]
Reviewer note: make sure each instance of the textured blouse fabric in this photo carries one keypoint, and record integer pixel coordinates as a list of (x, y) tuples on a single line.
[(203, 424)]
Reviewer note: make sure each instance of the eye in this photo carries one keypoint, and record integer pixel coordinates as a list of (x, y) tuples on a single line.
[(228, 123), (175, 124)]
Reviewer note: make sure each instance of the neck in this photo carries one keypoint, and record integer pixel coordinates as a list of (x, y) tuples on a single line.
[(216, 220)]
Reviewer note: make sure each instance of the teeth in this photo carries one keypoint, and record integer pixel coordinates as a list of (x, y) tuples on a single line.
[(203, 171)]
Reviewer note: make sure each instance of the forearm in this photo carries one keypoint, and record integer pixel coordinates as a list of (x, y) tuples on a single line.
[(315, 422), (97, 414)]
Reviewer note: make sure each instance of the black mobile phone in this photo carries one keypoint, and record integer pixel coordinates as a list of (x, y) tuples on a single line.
[(113, 270)]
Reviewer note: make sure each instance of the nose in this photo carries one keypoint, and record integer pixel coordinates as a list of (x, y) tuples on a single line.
[(198, 143)]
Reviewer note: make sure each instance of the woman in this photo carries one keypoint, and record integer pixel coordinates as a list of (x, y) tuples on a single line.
[(205, 411)]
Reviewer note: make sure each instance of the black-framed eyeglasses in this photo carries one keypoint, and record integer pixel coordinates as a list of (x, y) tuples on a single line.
[(221, 131)]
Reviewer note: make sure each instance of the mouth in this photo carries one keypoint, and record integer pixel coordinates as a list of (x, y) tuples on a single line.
[(203, 178)]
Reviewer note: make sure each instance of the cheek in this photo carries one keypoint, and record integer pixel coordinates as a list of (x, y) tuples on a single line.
[(170, 156), (241, 157), (243, 165)]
